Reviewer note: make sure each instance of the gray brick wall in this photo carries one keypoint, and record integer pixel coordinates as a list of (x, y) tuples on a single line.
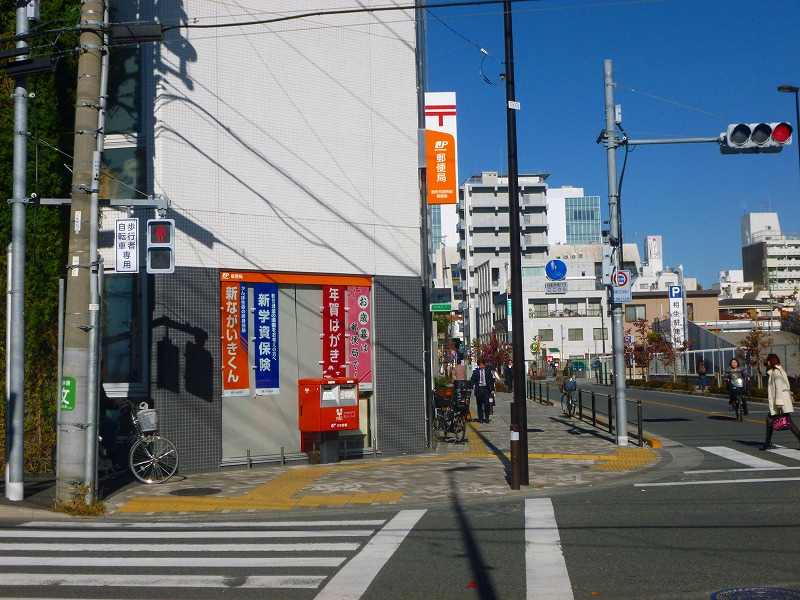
[(399, 369)]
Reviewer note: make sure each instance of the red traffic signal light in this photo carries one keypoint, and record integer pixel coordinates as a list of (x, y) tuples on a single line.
[(754, 138), (160, 246)]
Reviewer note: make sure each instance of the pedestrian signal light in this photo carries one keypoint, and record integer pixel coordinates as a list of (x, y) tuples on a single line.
[(160, 246), (755, 138)]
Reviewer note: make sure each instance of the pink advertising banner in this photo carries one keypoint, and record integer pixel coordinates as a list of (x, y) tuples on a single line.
[(359, 333)]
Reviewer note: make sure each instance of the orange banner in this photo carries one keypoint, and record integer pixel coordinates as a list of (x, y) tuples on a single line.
[(235, 372), (440, 156)]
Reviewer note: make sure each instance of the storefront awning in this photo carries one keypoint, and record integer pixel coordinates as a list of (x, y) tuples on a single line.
[(553, 351)]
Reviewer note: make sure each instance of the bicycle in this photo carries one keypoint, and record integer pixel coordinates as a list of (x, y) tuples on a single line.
[(451, 415), (738, 406), (152, 458), (568, 398)]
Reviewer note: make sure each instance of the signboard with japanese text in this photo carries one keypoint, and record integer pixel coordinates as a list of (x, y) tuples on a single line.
[(235, 370), (555, 287), (676, 325), (334, 357), (265, 336), (126, 245), (359, 334), (621, 289), (441, 147)]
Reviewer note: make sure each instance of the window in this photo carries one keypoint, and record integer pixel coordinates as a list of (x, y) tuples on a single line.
[(600, 333), (689, 311), (569, 308), (546, 335), (539, 310), (575, 335), (634, 312), (595, 307)]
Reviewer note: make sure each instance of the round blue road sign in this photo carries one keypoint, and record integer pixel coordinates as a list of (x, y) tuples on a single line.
[(555, 270)]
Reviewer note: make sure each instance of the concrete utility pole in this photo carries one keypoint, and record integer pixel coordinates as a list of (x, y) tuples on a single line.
[(15, 383), (615, 236), (519, 410), (75, 426)]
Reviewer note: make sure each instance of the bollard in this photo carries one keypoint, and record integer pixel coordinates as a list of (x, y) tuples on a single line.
[(249, 464), (610, 414), (594, 412), (515, 450), (283, 457), (639, 422), (580, 405)]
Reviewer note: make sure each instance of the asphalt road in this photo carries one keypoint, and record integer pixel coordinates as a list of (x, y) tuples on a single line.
[(715, 515)]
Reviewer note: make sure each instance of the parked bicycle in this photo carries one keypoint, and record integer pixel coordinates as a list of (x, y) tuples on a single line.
[(152, 458), (452, 412), (568, 400)]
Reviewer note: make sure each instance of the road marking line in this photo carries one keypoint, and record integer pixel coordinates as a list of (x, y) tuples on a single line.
[(166, 561), (151, 525), (787, 452), (746, 470), (740, 457), (546, 574), (676, 483), (205, 547), (163, 581), (354, 578), (175, 535)]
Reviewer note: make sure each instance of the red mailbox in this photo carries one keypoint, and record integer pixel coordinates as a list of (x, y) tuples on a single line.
[(328, 404)]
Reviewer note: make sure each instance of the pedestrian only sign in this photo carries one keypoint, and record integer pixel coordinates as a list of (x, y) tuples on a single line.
[(621, 290)]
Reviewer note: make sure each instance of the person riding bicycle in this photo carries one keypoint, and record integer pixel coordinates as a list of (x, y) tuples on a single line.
[(737, 380)]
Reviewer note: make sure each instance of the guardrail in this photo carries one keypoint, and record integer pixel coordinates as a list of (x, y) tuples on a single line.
[(539, 391)]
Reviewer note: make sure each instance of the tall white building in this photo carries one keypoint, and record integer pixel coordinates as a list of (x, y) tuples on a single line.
[(770, 257)]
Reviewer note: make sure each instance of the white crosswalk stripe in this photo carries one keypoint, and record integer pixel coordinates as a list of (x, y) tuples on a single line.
[(208, 555), (743, 458)]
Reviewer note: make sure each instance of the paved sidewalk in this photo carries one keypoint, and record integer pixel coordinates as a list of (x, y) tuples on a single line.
[(562, 452)]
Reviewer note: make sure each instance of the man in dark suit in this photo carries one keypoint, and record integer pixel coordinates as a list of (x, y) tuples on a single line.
[(482, 382)]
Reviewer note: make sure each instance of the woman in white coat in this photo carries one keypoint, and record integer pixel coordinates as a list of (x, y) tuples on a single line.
[(780, 399)]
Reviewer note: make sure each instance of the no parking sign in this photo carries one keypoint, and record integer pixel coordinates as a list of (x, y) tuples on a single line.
[(621, 290)]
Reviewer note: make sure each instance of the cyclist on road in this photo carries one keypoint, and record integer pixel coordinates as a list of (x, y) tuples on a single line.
[(737, 385)]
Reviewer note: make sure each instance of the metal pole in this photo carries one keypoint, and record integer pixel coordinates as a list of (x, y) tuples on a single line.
[(519, 410), (15, 390), (72, 439), (425, 242), (95, 289), (615, 226), (60, 359)]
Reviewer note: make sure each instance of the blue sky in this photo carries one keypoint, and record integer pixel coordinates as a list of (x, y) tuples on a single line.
[(695, 66)]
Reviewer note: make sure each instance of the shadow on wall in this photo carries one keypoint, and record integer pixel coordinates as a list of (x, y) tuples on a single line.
[(198, 369)]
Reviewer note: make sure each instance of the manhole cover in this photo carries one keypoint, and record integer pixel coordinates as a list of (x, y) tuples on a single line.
[(195, 492), (757, 593)]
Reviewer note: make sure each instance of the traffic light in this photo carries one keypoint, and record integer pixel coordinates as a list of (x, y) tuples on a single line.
[(160, 246), (754, 138)]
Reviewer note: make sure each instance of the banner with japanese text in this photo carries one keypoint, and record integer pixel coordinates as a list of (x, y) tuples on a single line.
[(359, 334), (441, 147), (235, 371), (334, 359), (265, 326)]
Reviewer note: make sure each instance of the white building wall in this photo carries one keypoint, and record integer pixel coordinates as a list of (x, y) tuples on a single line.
[(557, 214), (271, 125)]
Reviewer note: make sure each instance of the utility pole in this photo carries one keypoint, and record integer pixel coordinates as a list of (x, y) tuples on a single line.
[(519, 410), (615, 236), (15, 384), (77, 426)]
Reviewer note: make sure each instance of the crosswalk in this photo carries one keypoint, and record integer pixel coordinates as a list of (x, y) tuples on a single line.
[(763, 466), (339, 558)]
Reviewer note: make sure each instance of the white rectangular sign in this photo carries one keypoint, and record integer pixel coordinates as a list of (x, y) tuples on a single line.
[(555, 287), (126, 245), (677, 331)]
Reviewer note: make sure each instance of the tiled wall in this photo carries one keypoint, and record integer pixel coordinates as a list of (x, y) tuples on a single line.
[(185, 363), (399, 369)]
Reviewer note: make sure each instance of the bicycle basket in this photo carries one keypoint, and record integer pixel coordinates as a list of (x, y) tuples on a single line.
[(570, 385), (148, 420)]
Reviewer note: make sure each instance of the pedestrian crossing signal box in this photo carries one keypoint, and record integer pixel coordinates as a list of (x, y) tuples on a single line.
[(326, 406)]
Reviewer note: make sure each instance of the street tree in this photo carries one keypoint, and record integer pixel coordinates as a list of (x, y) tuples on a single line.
[(753, 350), (645, 345)]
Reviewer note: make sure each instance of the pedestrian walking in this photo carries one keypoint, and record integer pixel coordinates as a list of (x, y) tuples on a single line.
[(737, 385), (702, 374), (482, 382), (781, 407), (509, 376)]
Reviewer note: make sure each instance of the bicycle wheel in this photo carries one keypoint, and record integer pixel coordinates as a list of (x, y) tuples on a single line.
[(459, 430), (739, 409), (439, 429), (564, 401), (153, 459), (570, 405)]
